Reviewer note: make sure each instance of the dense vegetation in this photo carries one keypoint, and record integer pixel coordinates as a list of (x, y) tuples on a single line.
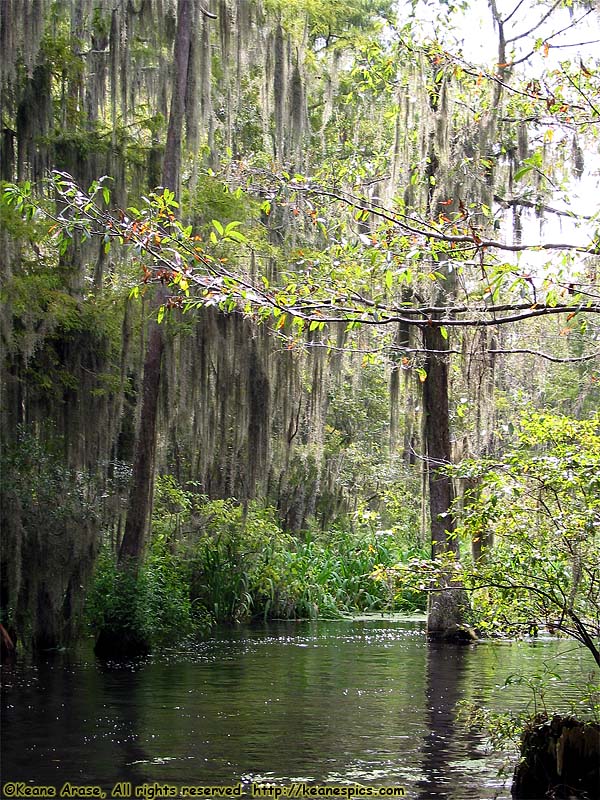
[(213, 561), (294, 263)]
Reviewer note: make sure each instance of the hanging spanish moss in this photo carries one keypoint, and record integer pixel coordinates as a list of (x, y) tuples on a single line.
[(87, 87)]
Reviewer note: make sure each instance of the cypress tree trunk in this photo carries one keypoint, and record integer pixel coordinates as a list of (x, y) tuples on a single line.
[(448, 604), (121, 636), (172, 162), (142, 482), (437, 440)]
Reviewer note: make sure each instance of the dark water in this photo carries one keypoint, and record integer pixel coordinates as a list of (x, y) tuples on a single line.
[(366, 701)]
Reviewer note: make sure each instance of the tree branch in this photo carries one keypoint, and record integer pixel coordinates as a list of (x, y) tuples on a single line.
[(547, 356), (472, 240), (521, 201), (541, 21)]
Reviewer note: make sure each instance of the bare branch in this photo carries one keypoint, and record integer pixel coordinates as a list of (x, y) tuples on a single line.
[(207, 13), (547, 356), (540, 22), (472, 239), (521, 201), (578, 89), (513, 12)]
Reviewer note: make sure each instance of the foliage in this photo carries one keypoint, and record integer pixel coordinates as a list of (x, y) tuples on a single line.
[(542, 505), (357, 439), (408, 214), (444, 127), (118, 600), (330, 20), (213, 200), (49, 517), (244, 566), (504, 729), (152, 605), (401, 507), (214, 561), (34, 475)]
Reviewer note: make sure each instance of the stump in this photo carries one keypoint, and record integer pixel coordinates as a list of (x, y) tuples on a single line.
[(560, 759)]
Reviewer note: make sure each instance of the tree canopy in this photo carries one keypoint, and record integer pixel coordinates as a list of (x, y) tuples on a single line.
[(359, 179)]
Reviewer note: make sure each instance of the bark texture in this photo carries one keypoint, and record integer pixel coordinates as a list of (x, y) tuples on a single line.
[(448, 604), (560, 759)]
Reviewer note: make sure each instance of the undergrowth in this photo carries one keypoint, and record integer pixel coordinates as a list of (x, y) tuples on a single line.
[(217, 561)]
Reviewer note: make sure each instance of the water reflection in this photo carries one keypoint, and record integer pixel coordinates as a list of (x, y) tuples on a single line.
[(119, 691), (353, 701), (447, 671)]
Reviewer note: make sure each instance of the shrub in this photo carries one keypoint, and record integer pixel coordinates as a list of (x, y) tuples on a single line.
[(152, 606), (217, 561)]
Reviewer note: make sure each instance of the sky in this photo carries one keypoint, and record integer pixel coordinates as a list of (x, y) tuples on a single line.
[(573, 35), (470, 31), (473, 29)]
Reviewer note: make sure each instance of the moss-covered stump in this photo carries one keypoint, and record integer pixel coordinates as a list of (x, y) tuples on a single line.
[(560, 759), (447, 612), (456, 634)]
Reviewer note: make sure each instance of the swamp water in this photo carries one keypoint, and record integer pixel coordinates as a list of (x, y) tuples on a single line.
[(365, 701)]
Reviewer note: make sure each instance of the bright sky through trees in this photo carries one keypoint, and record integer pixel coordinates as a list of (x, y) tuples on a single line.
[(538, 46)]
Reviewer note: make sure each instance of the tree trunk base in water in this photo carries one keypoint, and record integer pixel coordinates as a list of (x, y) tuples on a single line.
[(446, 613), (458, 634), (560, 759), (123, 645)]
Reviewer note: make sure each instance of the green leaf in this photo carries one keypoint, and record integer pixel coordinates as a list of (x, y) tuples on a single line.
[(236, 236), (444, 332), (218, 227), (161, 314), (520, 173), (106, 194)]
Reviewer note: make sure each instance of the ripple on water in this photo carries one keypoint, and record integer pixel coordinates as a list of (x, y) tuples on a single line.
[(363, 700)]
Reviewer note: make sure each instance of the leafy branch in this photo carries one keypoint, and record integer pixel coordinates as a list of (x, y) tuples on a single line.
[(199, 274)]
